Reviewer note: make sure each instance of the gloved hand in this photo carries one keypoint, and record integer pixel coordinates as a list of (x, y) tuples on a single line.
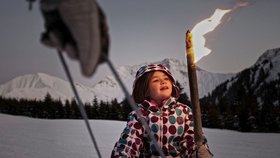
[(202, 152), (79, 28)]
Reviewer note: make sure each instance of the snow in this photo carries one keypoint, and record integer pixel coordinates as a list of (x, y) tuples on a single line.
[(269, 62), (36, 86), (23, 137), (273, 56)]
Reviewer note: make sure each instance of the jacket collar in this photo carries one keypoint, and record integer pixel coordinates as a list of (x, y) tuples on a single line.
[(148, 105)]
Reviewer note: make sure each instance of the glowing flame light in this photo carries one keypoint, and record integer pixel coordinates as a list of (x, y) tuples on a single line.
[(202, 28)]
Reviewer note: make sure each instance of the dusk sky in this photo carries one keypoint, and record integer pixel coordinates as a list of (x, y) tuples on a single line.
[(144, 31)]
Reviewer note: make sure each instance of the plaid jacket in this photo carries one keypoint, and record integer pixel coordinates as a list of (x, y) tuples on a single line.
[(172, 125)]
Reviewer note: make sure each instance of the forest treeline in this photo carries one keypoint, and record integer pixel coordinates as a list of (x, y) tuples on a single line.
[(243, 114)]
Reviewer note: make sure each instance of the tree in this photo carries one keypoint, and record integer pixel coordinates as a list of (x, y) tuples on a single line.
[(67, 110), (114, 110), (75, 109), (59, 110), (88, 109), (126, 109), (183, 98), (104, 110), (214, 117), (95, 108)]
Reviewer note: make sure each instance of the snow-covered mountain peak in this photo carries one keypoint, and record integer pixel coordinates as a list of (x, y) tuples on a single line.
[(207, 81), (269, 55), (36, 86), (26, 81), (269, 62)]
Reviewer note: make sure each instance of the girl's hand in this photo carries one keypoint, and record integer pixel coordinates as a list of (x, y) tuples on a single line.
[(202, 152)]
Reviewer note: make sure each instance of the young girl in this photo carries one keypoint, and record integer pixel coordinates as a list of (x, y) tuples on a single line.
[(155, 92)]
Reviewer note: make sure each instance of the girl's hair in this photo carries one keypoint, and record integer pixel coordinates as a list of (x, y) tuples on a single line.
[(141, 88)]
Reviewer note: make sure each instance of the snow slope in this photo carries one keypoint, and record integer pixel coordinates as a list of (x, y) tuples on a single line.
[(270, 57), (36, 86), (23, 137)]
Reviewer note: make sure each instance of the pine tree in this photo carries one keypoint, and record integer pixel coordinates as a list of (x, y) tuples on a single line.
[(126, 109), (88, 109), (3, 105), (59, 110), (75, 109), (67, 109), (104, 110), (114, 110), (95, 108), (183, 98), (214, 117)]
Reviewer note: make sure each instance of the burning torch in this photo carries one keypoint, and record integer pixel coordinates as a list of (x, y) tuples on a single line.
[(194, 89), (195, 43)]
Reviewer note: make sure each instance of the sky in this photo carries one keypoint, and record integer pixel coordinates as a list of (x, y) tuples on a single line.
[(143, 31), (23, 137)]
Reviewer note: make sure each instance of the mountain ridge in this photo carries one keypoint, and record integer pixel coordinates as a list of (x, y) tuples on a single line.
[(249, 101), (36, 86)]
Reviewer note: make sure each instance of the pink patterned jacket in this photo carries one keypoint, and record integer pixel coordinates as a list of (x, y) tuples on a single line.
[(172, 124)]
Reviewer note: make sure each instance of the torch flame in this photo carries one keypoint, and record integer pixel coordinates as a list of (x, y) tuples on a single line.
[(202, 28)]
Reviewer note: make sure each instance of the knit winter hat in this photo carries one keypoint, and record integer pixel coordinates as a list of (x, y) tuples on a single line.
[(156, 67)]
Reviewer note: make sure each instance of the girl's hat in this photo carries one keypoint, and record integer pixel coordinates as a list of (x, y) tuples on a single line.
[(157, 67)]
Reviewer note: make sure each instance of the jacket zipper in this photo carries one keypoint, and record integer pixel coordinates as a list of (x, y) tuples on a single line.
[(160, 127)]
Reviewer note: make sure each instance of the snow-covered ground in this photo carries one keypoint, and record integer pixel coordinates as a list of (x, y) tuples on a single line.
[(23, 137)]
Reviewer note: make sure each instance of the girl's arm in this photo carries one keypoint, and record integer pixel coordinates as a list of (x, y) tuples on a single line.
[(130, 142)]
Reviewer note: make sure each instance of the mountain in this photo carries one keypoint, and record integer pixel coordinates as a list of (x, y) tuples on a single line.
[(36, 86), (250, 100), (207, 81), (257, 80)]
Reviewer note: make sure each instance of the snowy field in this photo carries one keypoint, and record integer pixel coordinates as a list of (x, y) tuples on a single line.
[(23, 137)]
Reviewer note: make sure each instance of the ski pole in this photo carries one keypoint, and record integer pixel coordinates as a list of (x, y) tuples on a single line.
[(80, 103)]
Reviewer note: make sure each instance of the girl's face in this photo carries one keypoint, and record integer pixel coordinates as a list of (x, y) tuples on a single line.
[(160, 86)]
